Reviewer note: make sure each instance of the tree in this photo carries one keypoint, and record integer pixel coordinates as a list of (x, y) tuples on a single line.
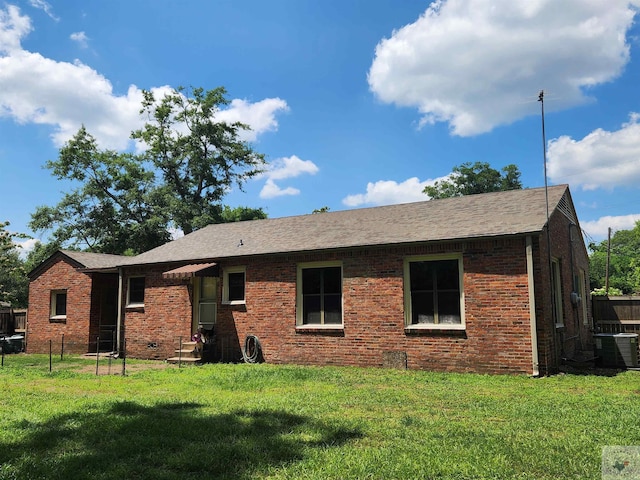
[(117, 206), (469, 179), (14, 284), (624, 264), (199, 158), (129, 203)]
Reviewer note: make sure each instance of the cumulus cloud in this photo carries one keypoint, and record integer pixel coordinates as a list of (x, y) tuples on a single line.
[(260, 116), (598, 229), (80, 38), (282, 169), (39, 90), (389, 192), (477, 64), (601, 159)]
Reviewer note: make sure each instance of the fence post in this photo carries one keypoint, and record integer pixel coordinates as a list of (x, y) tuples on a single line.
[(62, 348), (180, 353), (2, 353), (124, 356), (50, 353), (97, 353)]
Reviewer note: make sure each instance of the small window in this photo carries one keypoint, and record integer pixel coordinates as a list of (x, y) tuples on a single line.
[(58, 305), (135, 293), (320, 295), (433, 293), (233, 289)]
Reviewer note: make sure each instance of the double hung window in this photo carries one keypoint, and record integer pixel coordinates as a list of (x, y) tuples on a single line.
[(433, 292), (319, 294)]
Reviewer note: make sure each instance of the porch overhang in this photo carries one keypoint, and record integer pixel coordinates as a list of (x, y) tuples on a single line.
[(193, 270)]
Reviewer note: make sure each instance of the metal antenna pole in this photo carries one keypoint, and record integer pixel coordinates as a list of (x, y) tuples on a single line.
[(554, 312)]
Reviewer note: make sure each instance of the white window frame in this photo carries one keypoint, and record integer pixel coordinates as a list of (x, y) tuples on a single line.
[(299, 296), (407, 293), (53, 304), (225, 285), (129, 302)]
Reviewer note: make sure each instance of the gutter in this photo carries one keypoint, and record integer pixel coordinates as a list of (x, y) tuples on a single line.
[(532, 309)]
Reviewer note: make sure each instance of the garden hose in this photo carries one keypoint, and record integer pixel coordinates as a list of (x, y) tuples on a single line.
[(252, 351)]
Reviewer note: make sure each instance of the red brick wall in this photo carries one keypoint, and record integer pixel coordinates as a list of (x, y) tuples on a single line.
[(556, 345), (496, 338), (153, 331), (59, 276)]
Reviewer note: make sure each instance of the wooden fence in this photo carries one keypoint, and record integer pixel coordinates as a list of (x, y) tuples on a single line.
[(620, 314), (13, 321)]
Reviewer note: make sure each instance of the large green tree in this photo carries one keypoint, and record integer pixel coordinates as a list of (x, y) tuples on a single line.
[(624, 263), (479, 177), (14, 285), (131, 202), (116, 206), (199, 158)]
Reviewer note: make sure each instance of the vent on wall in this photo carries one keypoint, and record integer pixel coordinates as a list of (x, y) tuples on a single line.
[(563, 206)]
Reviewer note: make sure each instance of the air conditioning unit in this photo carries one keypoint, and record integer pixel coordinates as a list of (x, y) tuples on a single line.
[(617, 349)]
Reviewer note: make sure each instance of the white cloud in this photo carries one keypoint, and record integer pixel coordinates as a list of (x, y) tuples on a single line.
[(260, 116), (26, 246), (80, 38), (598, 229), (283, 168), (45, 6), (290, 167), (477, 64), (13, 27), (271, 190), (39, 90), (601, 159), (388, 192)]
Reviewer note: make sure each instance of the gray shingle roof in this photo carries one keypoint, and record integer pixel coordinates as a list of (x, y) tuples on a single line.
[(95, 260), (473, 216)]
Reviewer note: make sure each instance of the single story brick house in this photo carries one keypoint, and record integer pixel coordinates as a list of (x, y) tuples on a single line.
[(494, 282)]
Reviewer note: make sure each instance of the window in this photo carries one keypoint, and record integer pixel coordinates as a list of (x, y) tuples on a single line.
[(433, 292), (319, 294), (233, 286), (58, 305), (135, 292)]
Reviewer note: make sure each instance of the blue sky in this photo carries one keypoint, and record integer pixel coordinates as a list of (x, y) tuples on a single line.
[(355, 103)]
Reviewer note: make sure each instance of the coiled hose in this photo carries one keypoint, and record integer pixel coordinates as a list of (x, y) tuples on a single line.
[(252, 351)]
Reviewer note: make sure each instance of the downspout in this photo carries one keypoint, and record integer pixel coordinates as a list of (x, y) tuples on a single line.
[(119, 320), (532, 309)]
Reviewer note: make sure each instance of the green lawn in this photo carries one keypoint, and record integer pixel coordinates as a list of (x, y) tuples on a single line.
[(283, 422)]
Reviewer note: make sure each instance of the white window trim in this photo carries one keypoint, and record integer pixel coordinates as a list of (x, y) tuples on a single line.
[(225, 285), (135, 304), (299, 319), (407, 293), (53, 299)]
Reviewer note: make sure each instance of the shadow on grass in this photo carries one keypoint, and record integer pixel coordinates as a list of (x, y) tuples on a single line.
[(165, 441)]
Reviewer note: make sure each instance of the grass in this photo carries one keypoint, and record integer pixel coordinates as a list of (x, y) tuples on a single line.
[(280, 422)]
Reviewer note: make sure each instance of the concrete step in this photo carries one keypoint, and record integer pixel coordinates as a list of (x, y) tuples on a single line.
[(188, 353), (184, 360)]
